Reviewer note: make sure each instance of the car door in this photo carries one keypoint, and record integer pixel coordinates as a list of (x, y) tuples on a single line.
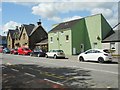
[(53, 53), (88, 55), (93, 55), (96, 55), (49, 53)]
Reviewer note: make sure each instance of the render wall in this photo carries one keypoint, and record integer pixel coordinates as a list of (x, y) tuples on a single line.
[(59, 41), (93, 27)]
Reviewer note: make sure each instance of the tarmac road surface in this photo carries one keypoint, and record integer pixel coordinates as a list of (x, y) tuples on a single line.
[(38, 72)]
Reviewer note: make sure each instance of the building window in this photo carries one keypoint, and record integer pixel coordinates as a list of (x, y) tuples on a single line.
[(57, 38), (62, 32), (112, 45), (95, 45), (67, 37), (24, 36), (51, 39), (55, 33)]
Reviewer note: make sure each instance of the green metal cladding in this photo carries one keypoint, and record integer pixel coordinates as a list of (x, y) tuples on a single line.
[(87, 33)]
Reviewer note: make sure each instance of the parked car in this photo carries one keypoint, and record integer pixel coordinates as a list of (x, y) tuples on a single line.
[(55, 54), (1, 49), (24, 51), (38, 53), (14, 51), (100, 55), (6, 50)]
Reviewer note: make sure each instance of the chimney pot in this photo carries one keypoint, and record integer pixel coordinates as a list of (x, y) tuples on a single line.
[(39, 22)]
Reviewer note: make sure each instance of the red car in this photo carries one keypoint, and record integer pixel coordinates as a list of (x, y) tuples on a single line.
[(1, 49), (24, 51), (14, 51)]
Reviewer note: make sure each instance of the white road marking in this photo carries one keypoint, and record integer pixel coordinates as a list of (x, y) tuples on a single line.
[(30, 74), (31, 68), (8, 63), (53, 82), (70, 73), (15, 70)]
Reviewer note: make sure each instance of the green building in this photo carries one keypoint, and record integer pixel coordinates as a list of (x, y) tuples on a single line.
[(79, 35)]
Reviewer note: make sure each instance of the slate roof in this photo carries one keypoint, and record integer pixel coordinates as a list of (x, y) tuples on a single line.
[(64, 25), (29, 28), (115, 37), (68, 24), (11, 33)]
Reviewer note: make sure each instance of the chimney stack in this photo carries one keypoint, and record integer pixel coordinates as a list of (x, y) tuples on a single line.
[(39, 22), (16, 27)]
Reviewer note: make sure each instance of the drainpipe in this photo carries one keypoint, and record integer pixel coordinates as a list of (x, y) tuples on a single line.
[(58, 41)]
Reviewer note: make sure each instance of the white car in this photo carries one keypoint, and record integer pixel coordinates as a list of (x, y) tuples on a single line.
[(99, 55), (55, 54)]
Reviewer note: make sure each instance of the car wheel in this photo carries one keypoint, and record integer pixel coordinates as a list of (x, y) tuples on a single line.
[(81, 59), (30, 54), (46, 56), (38, 55), (55, 56), (100, 60)]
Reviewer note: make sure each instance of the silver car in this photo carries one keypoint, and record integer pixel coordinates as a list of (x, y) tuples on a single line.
[(55, 54)]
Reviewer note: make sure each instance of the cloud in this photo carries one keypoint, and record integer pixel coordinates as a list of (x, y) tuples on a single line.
[(106, 12), (60, 1), (10, 25), (71, 18), (17, 1), (51, 11)]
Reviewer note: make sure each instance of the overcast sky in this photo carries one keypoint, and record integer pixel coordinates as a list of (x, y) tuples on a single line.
[(15, 13)]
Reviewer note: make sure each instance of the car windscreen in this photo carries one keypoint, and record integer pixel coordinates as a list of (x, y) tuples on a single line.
[(26, 49), (37, 50), (59, 50)]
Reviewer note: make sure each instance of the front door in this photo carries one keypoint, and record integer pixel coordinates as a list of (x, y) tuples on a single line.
[(82, 48)]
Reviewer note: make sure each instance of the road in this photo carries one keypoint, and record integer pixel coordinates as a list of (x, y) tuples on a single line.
[(40, 72)]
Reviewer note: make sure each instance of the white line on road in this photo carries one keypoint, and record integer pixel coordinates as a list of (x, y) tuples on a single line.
[(15, 70), (53, 82), (30, 74), (99, 70)]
